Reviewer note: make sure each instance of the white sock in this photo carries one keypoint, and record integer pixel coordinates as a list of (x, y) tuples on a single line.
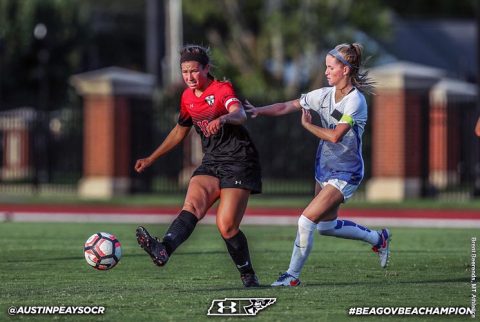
[(302, 246), (349, 230)]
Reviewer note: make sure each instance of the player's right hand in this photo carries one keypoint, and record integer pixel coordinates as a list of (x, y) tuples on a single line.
[(249, 108), (142, 164)]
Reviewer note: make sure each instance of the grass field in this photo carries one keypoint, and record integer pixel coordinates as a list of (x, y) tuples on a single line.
[(42, 264)]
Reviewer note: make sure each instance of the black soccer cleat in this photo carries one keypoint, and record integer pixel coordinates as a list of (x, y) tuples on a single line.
[(249, 280), (152, 246)]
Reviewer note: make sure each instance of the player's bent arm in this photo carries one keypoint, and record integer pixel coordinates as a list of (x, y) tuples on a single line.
[(236, 115), (332, 135), (176, 135), (277, 109)]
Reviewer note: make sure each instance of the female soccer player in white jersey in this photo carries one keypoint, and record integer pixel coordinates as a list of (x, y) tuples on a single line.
[(338, 165)]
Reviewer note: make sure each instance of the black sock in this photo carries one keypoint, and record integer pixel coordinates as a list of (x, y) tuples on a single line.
[(179, 231), (238, 249)]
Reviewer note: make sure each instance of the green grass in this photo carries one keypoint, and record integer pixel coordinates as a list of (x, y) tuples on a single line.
[(43, 264)]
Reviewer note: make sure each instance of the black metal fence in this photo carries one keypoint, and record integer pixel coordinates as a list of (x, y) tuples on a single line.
[(460, 153), (41, 152)]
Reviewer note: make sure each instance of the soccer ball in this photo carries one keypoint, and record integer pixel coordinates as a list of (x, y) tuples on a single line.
[(102, 251)]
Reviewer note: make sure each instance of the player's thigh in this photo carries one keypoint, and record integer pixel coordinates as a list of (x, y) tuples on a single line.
[(202, 193), (325, 205), (232, 206)]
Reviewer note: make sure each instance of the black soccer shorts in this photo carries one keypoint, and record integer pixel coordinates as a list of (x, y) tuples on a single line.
[(243, 175)]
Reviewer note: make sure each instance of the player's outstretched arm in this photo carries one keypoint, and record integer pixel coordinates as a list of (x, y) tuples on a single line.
[(176, 135), (275, 109)]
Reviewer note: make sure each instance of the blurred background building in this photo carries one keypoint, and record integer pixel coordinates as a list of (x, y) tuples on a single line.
[(87, 87)]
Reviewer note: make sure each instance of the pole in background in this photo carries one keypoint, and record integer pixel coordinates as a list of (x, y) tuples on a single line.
[(174, 34), (2, 49), (155, 38), (41, 145)]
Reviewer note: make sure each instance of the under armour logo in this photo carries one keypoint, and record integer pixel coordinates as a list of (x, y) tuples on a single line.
[(239, 306), (222, 307), (238, 182)]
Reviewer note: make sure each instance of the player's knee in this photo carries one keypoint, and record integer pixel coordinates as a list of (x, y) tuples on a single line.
[(227, 230), (195, 208)]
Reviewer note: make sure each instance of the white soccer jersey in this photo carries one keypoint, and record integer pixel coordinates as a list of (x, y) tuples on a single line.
[(342, 160)]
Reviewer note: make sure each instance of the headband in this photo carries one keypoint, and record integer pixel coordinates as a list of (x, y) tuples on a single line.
[(198, 57), (335, 53)]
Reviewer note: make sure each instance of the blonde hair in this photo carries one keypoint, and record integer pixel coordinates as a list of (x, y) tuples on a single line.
[(352, 53)]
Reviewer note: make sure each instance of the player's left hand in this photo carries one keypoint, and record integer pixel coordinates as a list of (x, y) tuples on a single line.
[(214, 126), (306, 117), (249, 108)]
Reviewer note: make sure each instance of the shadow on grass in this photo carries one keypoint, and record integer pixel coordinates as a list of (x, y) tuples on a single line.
[(363, 283), (308, 285), (68, 258), (218, 252)]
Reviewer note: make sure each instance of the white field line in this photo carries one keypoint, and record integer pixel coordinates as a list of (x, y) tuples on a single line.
[(139, 218)]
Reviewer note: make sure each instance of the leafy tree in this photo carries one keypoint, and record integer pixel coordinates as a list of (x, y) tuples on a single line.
[(428, 9), (34, 67), (80, 36), (276, 48)]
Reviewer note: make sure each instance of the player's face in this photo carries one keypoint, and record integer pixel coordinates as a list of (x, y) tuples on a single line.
[(335, 70), (194, 74)]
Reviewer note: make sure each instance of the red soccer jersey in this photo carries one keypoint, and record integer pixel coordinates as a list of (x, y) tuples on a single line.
[(232, 142)]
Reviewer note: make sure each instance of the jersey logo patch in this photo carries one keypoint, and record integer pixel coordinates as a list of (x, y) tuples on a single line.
[(210, 99)]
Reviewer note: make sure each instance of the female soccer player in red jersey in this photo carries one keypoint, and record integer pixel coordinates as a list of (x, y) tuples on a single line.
[(230, 169)]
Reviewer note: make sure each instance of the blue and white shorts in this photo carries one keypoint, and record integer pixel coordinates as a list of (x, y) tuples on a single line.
[(344, 187)]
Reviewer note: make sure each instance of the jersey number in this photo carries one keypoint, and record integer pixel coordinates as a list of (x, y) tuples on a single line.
[(203, 126)]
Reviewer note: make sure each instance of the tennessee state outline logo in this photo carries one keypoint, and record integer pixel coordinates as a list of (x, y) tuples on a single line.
[(239, 306)]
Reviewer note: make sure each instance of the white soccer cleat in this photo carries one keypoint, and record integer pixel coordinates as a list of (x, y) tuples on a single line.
[(286, 280), (383, 247)]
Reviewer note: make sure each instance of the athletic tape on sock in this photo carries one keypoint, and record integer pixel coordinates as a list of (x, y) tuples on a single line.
[(306, 223)]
